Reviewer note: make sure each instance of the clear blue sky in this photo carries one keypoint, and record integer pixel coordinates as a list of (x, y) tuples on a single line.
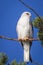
[(10, 11)]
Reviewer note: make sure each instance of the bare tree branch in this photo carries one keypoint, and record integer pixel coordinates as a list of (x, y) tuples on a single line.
[(31, 9), (15, 39), (3, 37)]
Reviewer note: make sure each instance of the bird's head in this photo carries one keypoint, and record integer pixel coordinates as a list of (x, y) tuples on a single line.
[(26, 14)]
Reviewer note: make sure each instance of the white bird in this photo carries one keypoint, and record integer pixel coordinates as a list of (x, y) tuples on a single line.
[(24, 31)]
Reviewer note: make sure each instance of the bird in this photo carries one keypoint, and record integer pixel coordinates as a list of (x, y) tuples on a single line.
[(24, 30)]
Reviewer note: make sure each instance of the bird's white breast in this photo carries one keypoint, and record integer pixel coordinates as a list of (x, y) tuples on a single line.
[(23, 27)]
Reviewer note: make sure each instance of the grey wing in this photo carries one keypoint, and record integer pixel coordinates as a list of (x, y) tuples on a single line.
[(22, 43), (31, 32)]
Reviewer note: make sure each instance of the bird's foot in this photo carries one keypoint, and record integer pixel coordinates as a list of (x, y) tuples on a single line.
[(19, 39), (26, 39)]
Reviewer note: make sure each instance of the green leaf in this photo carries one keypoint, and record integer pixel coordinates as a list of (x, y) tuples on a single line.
[(40, 35), (15, 63), (37, 23), (3, 58)]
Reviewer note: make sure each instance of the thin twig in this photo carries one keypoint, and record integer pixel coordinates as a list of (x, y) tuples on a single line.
[(31, 9), (15, 39)]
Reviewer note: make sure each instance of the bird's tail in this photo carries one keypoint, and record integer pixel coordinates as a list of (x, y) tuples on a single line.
[(26, 46)]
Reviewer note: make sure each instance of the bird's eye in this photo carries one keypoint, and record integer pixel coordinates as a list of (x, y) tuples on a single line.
[(27, 13)]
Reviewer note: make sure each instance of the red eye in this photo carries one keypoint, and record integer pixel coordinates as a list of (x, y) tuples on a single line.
[(27, 13)]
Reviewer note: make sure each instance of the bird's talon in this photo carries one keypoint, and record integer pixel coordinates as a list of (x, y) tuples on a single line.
[(26, 39), (19, 39)]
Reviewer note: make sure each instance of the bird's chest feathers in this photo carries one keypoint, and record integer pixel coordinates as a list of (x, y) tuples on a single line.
[(24, 22)]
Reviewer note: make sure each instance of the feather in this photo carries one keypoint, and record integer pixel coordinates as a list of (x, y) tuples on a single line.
[(26, 46), (22, 43), (24, 29)]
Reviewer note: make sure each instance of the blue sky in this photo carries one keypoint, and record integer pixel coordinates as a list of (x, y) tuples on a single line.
[(10, 11)]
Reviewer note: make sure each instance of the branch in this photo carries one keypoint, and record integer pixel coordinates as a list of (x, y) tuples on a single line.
[(15, 39), (31, 9)]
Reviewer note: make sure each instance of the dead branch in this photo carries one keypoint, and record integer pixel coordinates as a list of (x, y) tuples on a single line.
[(15, 39), (31, 9)]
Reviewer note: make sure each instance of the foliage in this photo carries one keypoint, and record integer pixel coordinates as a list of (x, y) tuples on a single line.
[(3, 58), (37, 23), (40, 35), (15, 63)]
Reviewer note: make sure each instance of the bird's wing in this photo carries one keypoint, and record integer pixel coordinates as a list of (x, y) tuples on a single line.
[(31, 30), (31, 33), (22, 43)]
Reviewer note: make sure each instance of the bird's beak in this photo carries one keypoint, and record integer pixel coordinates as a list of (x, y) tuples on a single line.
[(27, 13)]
